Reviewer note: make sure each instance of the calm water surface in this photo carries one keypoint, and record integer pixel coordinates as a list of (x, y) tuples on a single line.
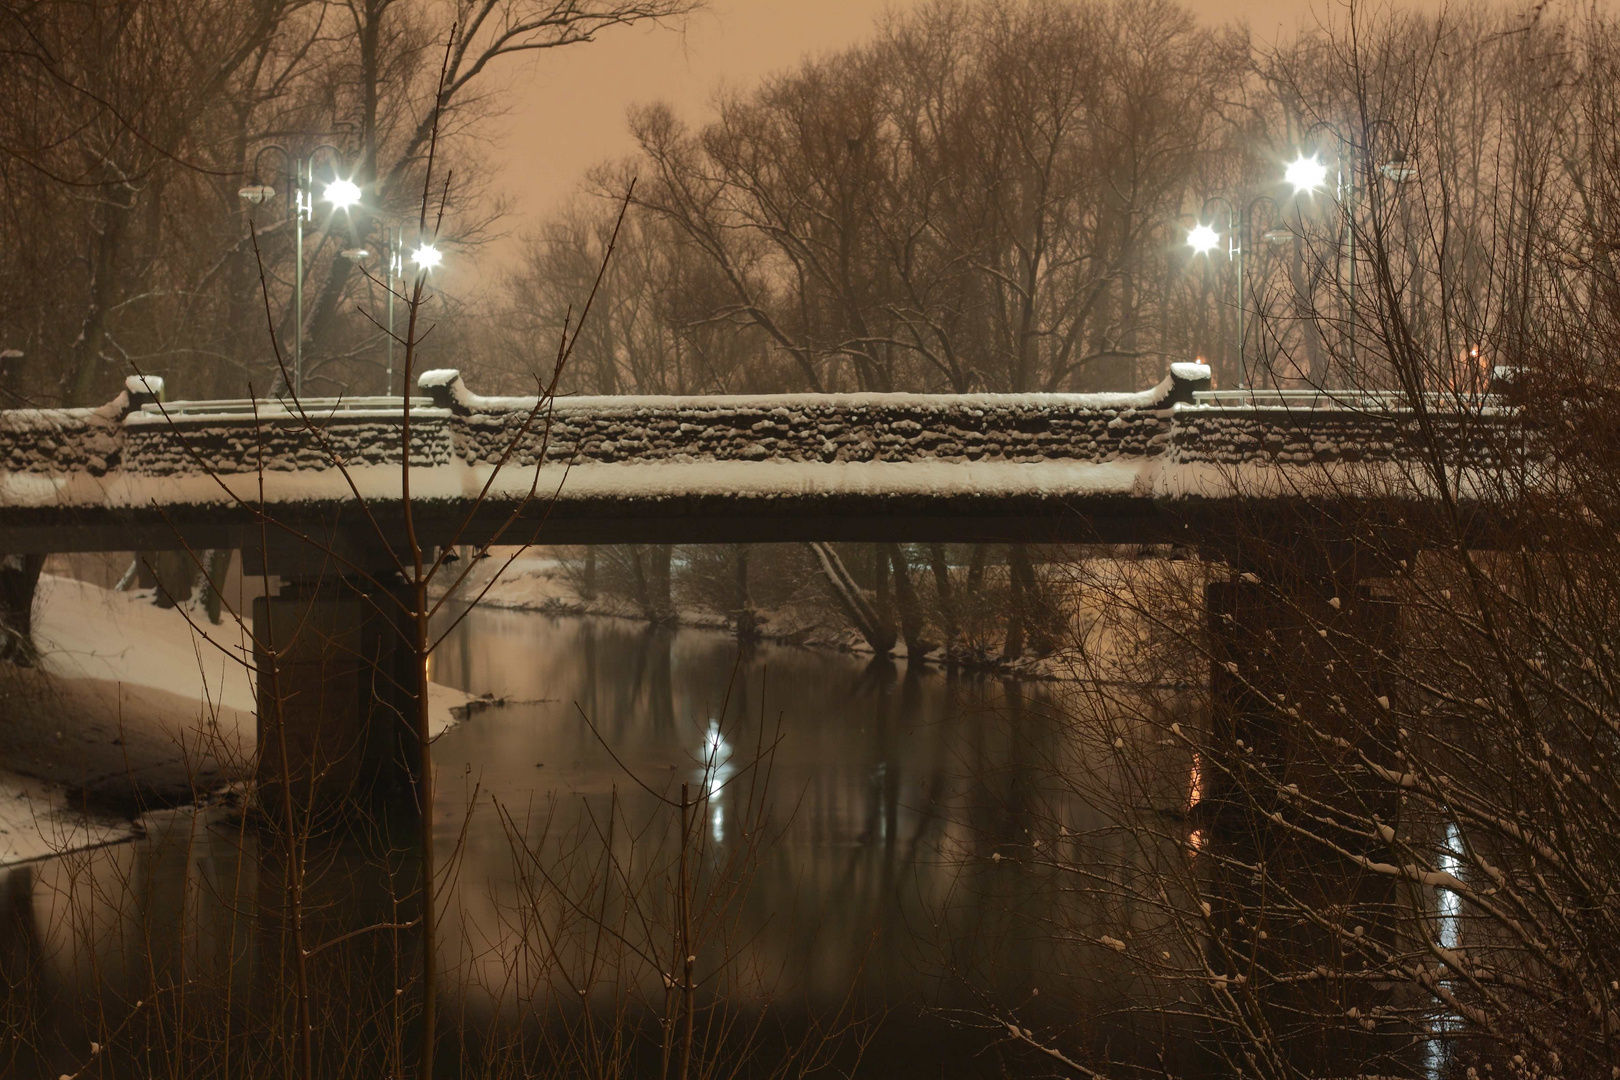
[(844, 861)]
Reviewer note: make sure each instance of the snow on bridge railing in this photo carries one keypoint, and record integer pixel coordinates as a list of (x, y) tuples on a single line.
[(277, 408), (1355, 400), (1179, 421)]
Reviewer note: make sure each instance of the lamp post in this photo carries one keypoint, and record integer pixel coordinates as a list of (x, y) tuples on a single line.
[(426, 257), (1203, 239), (342, 193), (395, 270), (1307, 175)]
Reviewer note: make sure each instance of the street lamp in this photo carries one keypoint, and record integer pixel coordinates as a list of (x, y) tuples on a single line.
[(1307, 174), (1203, 239), (341, 193), (427, 256)]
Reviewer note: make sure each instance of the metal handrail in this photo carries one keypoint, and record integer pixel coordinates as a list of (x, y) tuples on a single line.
[(1385, 400), (273, 407)]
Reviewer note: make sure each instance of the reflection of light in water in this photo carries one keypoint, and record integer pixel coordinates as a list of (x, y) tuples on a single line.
[(717, 769), (1448, 909), (880, 776), (1195, 795)]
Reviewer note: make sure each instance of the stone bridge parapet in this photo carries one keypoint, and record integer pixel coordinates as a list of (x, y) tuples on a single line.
[(449, 423), (686, 462)]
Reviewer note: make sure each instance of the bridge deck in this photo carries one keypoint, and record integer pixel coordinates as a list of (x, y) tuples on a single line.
[(1145, 466)]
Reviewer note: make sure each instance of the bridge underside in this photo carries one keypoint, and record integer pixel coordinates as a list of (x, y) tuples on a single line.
[(689, 519), (1173, 464), (318, 540)]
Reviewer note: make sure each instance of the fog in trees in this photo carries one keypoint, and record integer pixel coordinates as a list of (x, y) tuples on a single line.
[(1294, 758)]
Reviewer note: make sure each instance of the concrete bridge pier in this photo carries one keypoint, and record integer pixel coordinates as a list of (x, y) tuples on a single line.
[(19, 574), (1303, 651), (336, 685)]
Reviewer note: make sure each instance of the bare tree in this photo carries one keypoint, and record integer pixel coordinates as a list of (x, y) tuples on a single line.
[(1340, 796)]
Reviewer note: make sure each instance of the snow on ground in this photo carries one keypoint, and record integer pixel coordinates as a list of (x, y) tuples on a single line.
[(109, 643), (39, 819), (127, 704)]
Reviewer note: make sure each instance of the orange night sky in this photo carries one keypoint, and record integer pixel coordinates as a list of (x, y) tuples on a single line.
[(566, 108)]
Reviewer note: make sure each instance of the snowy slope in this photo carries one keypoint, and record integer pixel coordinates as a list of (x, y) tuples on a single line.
[(128, 702)]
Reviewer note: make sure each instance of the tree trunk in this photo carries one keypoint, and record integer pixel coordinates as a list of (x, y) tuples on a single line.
[(1017, 603), (216, 564), (87, 350), (1038, 620), (947, 596), (19, 576), (911, 618), (661, 607), (880, 584), (171, 574), (975, 635), (975, 577), (878, 634), (1305, 314), (746, 623), (638, 568), (587, 589)]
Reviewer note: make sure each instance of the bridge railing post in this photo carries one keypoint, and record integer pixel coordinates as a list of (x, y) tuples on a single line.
[(1187, 379), (443, 386), (142, 390)]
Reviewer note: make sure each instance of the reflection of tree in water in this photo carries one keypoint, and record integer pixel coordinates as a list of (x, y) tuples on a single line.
[(21, 970), (871, 777), (170, 953), (656, 662)]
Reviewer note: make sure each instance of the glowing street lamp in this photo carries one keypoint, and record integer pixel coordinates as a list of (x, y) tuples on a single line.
[(1203, 239), (1399, 168), (1206, 239), (342, 193), (427, 256), (1306, 174)]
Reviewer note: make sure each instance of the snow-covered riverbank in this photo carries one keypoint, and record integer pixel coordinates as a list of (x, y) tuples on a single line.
[(129, 707), (538, 581)]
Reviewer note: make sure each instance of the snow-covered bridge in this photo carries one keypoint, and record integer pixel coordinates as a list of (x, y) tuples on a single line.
[(1156, 465), (1175, 463)]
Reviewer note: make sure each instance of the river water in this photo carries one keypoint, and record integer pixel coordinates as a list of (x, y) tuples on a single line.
[(839, 869)]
